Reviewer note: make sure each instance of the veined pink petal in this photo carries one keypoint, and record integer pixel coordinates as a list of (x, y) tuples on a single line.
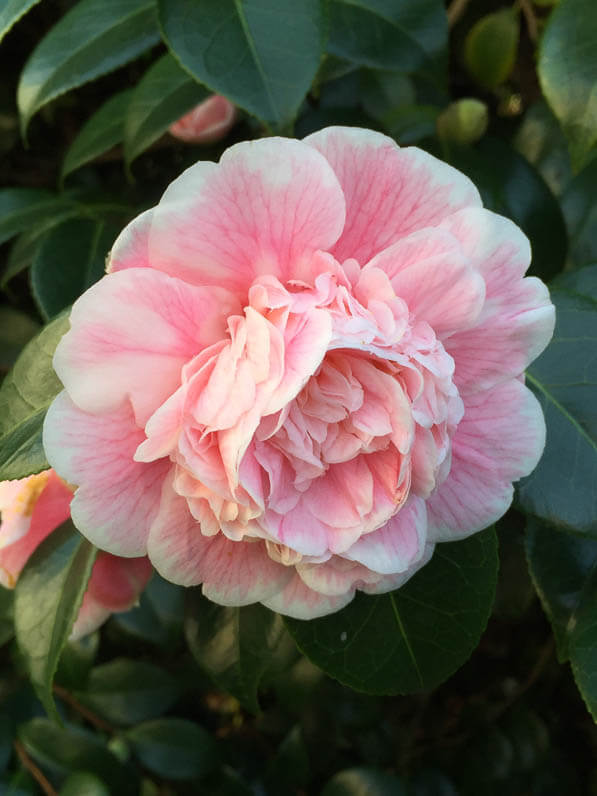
[(499, 440), (130, 335), (297, 600), (390, 192), (518, 318), (117, 498), (265, 209), (391, 582), (397, 545)]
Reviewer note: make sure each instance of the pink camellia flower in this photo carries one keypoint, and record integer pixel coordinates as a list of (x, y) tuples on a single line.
[(31, 508), (303, 369), (208, 122)]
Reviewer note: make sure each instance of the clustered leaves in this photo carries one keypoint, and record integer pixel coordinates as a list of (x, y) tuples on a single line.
[(180, 694)]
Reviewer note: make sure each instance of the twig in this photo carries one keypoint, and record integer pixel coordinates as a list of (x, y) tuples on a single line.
[(530, 19), (455, 10), (35, 772), (98, 722)]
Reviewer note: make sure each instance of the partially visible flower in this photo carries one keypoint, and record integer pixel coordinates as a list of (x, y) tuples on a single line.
[(30, 509), (207, 122)]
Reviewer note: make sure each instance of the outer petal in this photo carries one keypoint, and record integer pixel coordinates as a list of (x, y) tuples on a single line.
[(389, 191), (265, 209), (518, 318), (130, 247), (499, 440), (301, 602), (117, 582), (390, 582), (398, 544), (232, 573), (130, 335), (117, 498)]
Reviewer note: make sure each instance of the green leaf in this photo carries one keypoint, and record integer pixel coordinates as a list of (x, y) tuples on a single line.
[(173, 748), (568, 73), (127, 692), (261, 54), (69, 260), (100, 133), (22, 208), (563, 488), (541, 141), (490, 47), (16, 329), (6, 614), (158, 618), (93, 38), (235, 646), (11, 12), (163, 95), (64, 750), (289, 769), (48, 595), (409, 124), (82, 783), (364, 781), (414, 638), (463, 122), (405, 36), (564, 570), (510, 185), (25, 395), (579, 204)]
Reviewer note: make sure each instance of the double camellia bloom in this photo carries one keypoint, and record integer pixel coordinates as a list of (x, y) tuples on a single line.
[(33, 507), (302, 371)]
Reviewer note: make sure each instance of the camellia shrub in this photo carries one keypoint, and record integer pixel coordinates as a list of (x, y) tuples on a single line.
[(298, 431)]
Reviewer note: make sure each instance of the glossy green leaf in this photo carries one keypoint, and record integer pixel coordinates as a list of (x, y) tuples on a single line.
[(6, 615), (93, 38), (261, 54), (579, 204), (541, 141), (64, 750), (126, 691), (21, 208), (364, 782), (414, 638), (100, 133), (490, 47), (564, 571), (158, 617), (404, 36), (11, 12), (568, 73), (173, 748), (409, 124), (235, 646), (69, 260), (563, 487), (25, 395), (164, 94), (48, 595), (509, 185)]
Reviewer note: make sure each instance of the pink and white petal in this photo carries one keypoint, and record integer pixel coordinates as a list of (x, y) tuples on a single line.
[(131, 333), (442, 289), (266, 208), (391, 582), (390, 192), (518, 317), (297, 600), (336, 577), (91, 616), (130, 247), (117, 498), (397, 545), (232, 573), (499, 440)]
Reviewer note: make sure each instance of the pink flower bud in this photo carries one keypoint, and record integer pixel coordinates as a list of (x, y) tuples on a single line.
[(207, 122)]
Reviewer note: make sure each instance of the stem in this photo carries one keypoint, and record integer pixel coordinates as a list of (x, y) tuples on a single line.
[(35, 772), (455, 10), (530, 18), (98, 722)]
